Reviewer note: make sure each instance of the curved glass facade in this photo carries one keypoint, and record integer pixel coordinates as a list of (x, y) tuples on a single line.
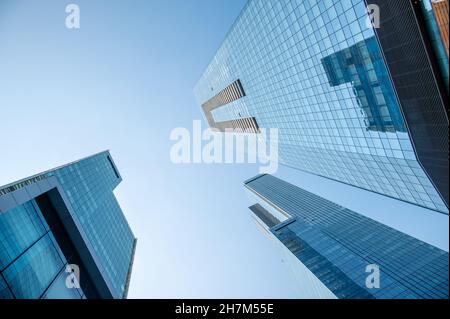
[(315, 71)]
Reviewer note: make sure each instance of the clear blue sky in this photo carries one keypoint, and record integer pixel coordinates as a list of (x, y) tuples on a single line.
[(123, 82)]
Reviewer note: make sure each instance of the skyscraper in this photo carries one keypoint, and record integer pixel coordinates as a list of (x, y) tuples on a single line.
[(363, 106), (336, 251), (64, 235)]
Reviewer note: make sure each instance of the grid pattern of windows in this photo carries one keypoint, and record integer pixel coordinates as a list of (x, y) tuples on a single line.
[(314, 70), (89, 186), (32, 264), (337, 244), (30, 258)]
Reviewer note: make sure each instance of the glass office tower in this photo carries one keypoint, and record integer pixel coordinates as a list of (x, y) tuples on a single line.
[(359, 105), (64, 235), (336, 245)]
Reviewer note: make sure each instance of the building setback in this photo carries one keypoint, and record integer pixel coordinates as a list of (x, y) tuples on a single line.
[(331, 247), (63, 225), (363, 106)]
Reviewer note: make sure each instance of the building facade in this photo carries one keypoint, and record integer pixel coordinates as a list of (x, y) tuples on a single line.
[(336, 249), (363, 106), (435, 14), (64, 235)]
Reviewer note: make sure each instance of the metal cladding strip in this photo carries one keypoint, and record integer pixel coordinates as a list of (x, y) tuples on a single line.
[(247, 125), (231, 93)]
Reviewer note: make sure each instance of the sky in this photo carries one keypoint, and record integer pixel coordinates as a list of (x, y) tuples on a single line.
[(123, 82)]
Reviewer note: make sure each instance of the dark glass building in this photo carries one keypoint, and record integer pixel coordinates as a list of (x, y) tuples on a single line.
[(333, 246), (363, 106), (64, 235)]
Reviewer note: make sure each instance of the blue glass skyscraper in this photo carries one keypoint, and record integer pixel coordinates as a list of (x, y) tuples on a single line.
[(332, 248), (363, 106), (64, 235)]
